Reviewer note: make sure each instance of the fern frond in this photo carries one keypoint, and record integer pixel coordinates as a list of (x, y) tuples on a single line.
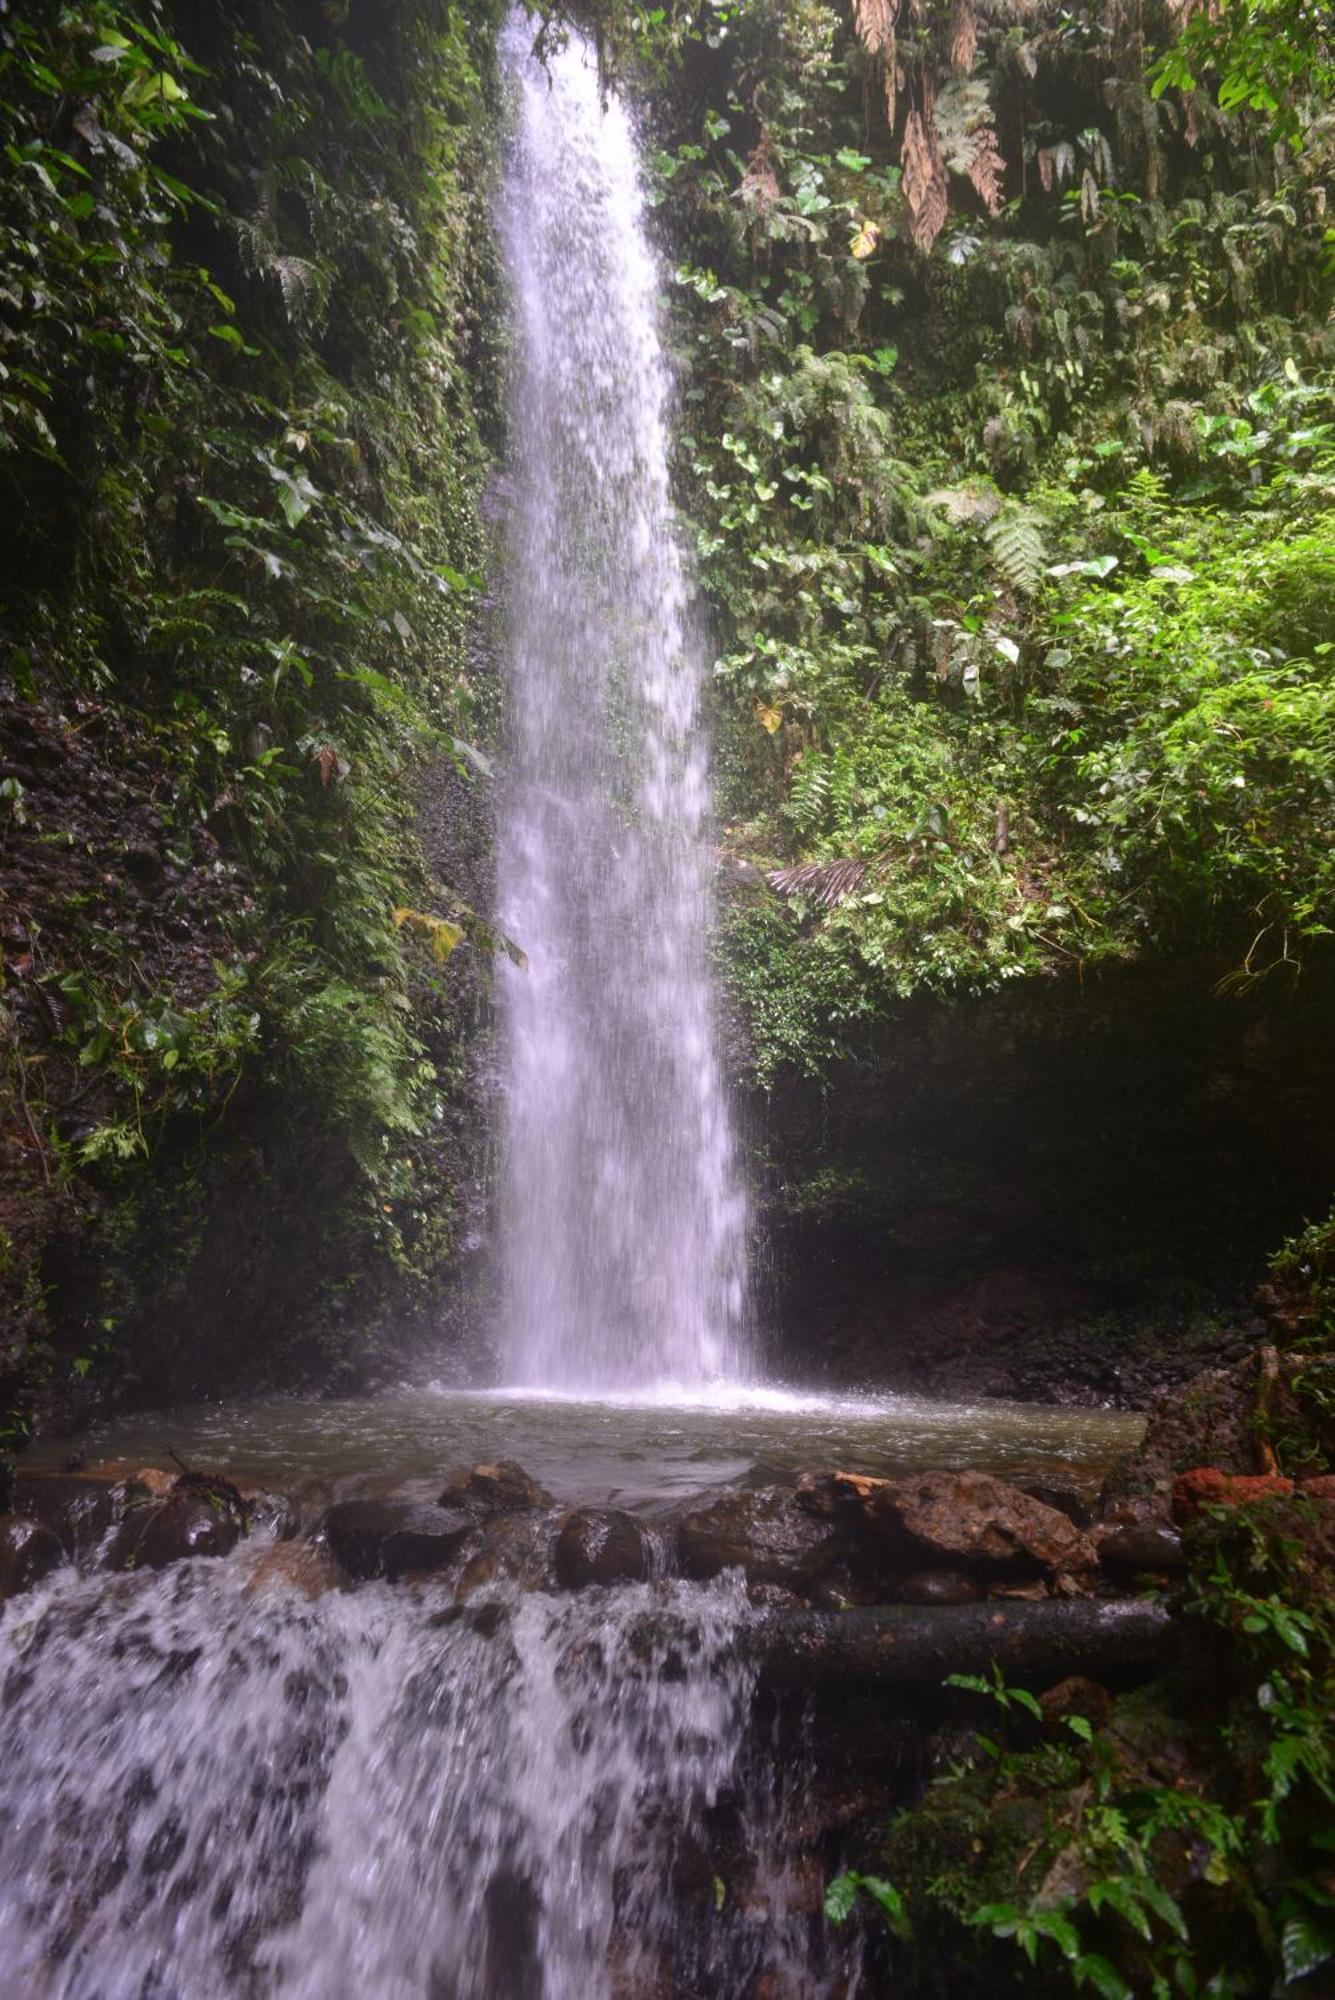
[(924, 177), (825, 882), (1015, 542)]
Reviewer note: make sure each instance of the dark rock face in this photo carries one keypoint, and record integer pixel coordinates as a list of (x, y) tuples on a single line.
[(389, 1538), (1065, 1191), (498, 1487), (1219, 1404), (28, 1552), (601, 1545), (186, 1523), (767, 1534)]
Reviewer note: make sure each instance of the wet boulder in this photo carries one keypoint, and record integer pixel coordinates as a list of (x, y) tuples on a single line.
[(984, 1523), (766, 1534), (498, 1486), (79, 1508), (968, 1520), (194, 1519), (516, 1548), (28, 1552), (601, 1545), (390, 1538), (1148, 1546)]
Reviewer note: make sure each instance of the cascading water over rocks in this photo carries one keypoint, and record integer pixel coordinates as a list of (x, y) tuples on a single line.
[(624, 1223)]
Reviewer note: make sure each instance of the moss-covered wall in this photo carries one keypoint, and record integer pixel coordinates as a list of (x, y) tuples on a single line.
[(248, 361)]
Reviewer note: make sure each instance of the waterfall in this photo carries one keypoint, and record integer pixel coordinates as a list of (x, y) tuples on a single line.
[(213, 1786), (623, 1217)]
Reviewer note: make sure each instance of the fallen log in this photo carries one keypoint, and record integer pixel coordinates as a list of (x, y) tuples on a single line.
[(907, 1645)]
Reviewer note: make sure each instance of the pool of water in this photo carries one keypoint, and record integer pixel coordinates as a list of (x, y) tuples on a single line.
[(631, 1452)]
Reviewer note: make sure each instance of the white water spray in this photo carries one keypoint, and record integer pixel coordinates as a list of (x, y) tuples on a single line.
[(624, 1221)]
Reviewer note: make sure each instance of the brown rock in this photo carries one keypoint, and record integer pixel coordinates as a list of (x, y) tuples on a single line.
[(1076, 1695), (601, 1545), (983, 1522), (389, 1538), (499, 1486), (1206, 1486), (302, 1566), (28, 1552)]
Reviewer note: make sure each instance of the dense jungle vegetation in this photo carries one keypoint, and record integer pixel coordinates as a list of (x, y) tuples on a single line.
[(248, 342), (1007, 446)]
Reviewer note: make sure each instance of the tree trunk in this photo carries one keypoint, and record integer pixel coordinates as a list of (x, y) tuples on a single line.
[(911, 1646)]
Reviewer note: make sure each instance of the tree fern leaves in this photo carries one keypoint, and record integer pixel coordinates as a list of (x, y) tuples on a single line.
[(1015, 543)]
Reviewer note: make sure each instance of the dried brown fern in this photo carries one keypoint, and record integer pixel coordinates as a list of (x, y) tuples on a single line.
[(924, 175), (987, 169), (963, 38), (875, 21), (825, 882)]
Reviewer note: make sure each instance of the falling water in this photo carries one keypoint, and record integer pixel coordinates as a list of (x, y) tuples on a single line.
[(624, 1221), (214, 1787)]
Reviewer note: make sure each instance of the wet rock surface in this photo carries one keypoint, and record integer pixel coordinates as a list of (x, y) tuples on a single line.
[(187, 1523), (1151, 1546), (767, 1534), (953, 1520), (78, 1508), (391, 1538), (28, 1552), (602, 1545)]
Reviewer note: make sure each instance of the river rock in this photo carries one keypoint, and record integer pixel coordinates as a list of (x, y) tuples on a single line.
[(982, 1522), (1143, 1545), (77, 1507), (388, 1538), (938, 1586), (497, 1487), (601, 1545), (189, 1522), (766, 1534), (516, 1547), (28, 1552), (1076, 1695)]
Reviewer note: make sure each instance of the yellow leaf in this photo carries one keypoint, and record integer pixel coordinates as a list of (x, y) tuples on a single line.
[(769, 718), (439, 932), (865, 240)]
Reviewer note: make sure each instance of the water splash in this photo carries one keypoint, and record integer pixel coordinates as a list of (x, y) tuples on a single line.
[(624, 1221), (212, 1785)]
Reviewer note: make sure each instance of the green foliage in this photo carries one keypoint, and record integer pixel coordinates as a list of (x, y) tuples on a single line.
[(244, 280), (1019, 554), (1183, 1846)]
